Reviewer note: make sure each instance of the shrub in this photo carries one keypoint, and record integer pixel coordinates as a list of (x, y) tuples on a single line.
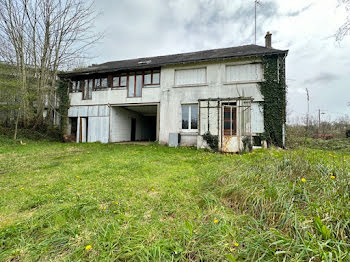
[(212, 141)]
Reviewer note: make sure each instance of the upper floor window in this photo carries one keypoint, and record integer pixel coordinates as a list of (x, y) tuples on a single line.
[(119, 81), (189, 117), (87, 88), (152, 77), (135, 84), (248, 72), (75, 86), (104, 83), (194, 76), (134, 81), (101, 83)]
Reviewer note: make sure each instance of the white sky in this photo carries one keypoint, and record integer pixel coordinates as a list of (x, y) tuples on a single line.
[(140, 28)]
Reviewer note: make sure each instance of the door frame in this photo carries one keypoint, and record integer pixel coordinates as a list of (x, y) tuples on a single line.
[(81, 130)]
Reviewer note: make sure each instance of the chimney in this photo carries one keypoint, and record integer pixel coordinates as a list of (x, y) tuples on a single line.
[(268, 40)]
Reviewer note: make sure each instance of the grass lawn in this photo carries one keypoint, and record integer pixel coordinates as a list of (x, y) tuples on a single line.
[(96, 202)]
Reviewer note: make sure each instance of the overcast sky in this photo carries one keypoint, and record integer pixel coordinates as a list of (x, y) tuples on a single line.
[(139, 28)]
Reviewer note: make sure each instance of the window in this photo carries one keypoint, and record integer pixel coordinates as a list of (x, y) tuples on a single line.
[(87, 88), (195, 76), (156, 78), (135, 85), (123, 80), (101, 83), (189, 117), (152, 77), (97, 84), (230, 124), (116, 81), (131, 85), (104, 83), (148, 78), (75, 86), (248, 72), (119, 81), (138, 85)]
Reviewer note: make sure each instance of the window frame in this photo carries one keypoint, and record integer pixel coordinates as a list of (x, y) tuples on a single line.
[(260, 67), (104, 87), (75, 86), (88, 97), (135, 74), (153, 71), (205, 83), (232, 131), (120, 80), (190, 129), (96, 80)]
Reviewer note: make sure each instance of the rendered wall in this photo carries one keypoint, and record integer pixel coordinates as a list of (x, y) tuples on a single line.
[(216, 87), (170, 98)]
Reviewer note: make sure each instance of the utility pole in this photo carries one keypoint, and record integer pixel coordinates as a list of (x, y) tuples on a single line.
[(256, 3)]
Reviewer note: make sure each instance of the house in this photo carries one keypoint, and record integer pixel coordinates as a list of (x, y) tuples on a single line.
[(180, 99)]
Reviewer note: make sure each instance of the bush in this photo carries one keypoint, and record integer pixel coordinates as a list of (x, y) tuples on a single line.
[(42, 133), (212, 141)]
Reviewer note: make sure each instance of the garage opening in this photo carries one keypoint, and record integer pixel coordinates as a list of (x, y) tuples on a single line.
[(134, 123)]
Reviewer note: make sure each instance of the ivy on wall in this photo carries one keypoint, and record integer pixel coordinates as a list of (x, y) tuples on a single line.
[(212, 141), (63, 95), (274, 90)]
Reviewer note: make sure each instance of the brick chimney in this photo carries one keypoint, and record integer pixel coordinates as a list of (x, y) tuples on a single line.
[(268, 40)]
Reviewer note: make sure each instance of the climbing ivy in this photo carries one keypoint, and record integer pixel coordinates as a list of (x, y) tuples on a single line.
[(63, 95), (273, 90), (212, 141)]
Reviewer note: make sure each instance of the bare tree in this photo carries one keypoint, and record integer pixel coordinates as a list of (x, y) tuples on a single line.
[(44, 36), (345, 28)]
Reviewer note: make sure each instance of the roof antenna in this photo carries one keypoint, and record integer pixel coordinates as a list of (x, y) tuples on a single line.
[(257, 2)]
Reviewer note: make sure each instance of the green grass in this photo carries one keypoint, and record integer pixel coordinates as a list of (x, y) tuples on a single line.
[(154, 203)]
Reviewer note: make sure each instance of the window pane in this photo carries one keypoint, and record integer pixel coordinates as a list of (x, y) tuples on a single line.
[(138, 85), (116, 81), (131, 86), (194, 117), (97, 83), (234, 121), (123, 81), (227, 125), (227, 114), (148, 78), (156, 77), (104, 83), (90, 89), (85, 86), (185, 116)]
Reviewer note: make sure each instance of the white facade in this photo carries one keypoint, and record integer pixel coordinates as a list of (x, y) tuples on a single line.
[(215, 87)]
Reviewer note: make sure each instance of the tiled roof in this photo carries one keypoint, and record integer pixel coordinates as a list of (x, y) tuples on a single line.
[(157, 61)]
